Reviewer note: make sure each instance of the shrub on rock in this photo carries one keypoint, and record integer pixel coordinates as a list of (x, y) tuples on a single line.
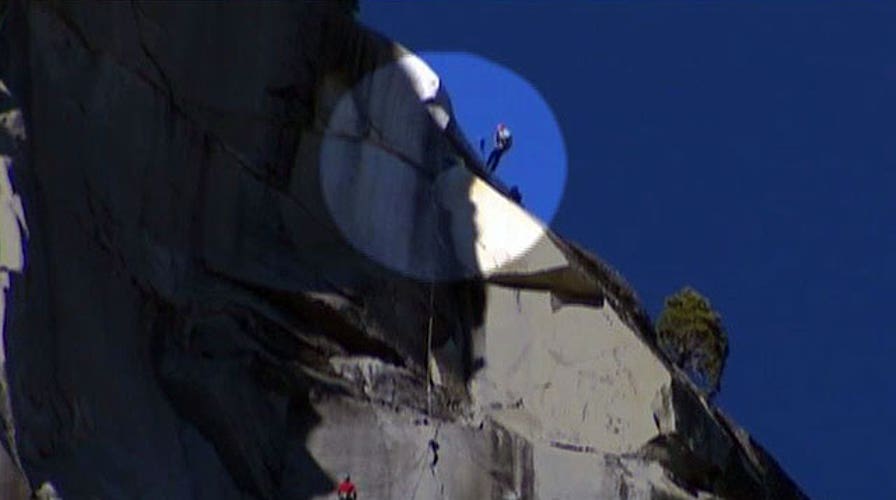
[(690, 332)]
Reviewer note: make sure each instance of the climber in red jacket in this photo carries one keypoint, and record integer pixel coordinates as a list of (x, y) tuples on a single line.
[(346, 489)]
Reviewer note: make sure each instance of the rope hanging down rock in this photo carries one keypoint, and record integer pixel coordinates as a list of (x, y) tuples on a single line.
[(432, 287)]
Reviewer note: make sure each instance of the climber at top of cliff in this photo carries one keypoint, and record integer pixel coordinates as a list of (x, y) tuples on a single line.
[(346, 489), (429, 89), (503, 141), (516, 195)]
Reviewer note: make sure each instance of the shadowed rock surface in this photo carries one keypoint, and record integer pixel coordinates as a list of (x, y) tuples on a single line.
[(244, 248)]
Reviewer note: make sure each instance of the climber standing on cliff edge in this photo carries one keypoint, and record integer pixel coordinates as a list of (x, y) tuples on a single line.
[(346, 489), (503, 141)]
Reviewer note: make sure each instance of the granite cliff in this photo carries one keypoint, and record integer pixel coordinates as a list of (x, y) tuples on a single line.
[(245, 247)]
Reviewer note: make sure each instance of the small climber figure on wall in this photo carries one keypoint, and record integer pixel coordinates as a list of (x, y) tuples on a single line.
[(503, 141), (346, 489)]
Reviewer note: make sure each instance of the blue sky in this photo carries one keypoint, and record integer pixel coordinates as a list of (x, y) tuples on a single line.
[(746, 149)]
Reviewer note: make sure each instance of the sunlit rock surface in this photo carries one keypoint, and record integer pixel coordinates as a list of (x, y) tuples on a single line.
[(12, 261), (247, 248)]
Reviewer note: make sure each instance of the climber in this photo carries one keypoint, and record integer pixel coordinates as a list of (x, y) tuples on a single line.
[(503, 141), (516, 195), (346, 489)]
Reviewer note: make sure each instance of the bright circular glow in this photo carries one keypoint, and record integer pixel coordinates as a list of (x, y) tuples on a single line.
[(394, 180)]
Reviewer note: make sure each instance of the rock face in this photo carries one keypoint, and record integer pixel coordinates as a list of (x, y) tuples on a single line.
[(245, 248)]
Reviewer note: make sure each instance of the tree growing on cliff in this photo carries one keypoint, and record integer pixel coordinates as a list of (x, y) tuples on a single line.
[(690, 332)]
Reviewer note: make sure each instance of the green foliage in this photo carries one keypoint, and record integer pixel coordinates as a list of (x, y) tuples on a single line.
[(690, 332)]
